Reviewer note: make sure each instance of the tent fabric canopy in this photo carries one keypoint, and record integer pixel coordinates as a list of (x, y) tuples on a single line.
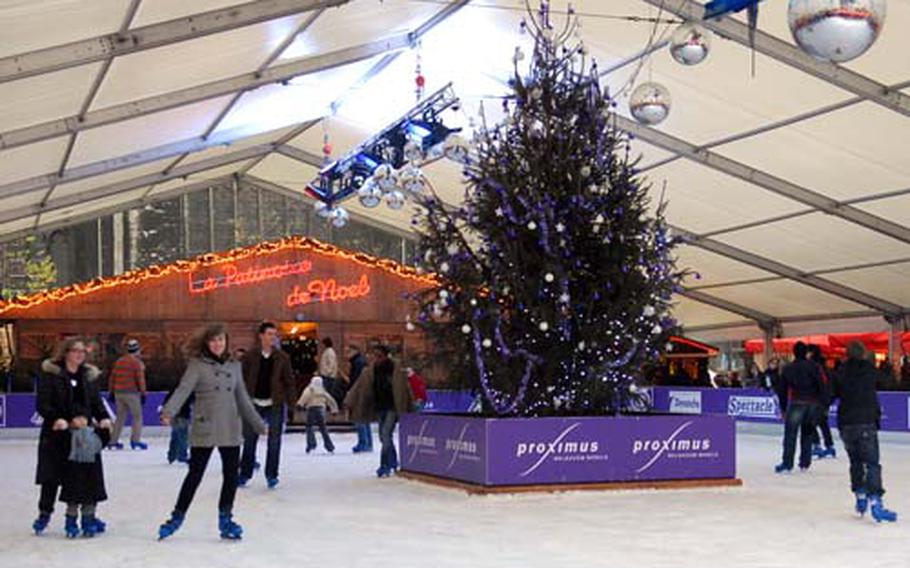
[(790, 185)]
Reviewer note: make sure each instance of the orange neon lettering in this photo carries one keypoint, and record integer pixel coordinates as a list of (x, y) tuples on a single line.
[(232, 276), (328, 291)]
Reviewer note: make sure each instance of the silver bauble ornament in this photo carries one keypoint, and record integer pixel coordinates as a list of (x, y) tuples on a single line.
[(340, 217), (394, 199), (836, 30), (650, 103), (690, 44)]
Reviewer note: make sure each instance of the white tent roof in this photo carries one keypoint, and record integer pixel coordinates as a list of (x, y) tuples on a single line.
[(791, 186)]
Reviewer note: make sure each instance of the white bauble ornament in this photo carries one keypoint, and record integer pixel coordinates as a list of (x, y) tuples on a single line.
[(394, 199), (444, 267), (340, 217), (465, 329), (487, 343), (532, 226), (409, 326), (836, 30), (649, 311), (549, 277), (443, 294), (323, 210), (369, 194), (657, 330), (453, 249), (650, 103), (690, 44), (544, 326), (413, 152)]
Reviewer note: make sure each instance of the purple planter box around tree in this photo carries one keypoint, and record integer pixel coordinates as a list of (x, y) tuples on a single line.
[(535, 451)]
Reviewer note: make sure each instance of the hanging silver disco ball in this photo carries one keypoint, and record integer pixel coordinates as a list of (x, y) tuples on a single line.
[(650, 103), (369, 194), (836, 30), (395, 199), (340, 217), (323, 210), (690, 44)]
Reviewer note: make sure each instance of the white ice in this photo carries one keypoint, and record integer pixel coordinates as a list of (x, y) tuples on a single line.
[(332, 511)]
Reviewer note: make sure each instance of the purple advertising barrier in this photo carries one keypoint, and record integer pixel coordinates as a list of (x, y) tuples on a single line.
[(756, 405), (533, 451), (451, 401), (446, 446), (18, 410)]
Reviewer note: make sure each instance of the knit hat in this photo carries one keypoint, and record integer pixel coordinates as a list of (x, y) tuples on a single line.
[(132, 346)]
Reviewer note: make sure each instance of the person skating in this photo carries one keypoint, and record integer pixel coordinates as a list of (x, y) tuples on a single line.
[(382, 391), (800, 393), (358, 362), (316, 399), (75, 427), (858, 416), (129, 390), (816, 356), (221, 405), (269, 380)]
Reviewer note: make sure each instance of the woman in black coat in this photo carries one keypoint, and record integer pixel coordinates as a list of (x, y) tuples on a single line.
[(68, 400)]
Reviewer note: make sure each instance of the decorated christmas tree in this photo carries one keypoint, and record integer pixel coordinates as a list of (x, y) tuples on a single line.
[(556, 279)]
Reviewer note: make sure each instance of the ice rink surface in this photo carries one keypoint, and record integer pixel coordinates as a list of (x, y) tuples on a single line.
[(330, 510)]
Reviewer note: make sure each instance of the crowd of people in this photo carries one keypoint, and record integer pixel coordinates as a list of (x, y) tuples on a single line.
[(223, 401)]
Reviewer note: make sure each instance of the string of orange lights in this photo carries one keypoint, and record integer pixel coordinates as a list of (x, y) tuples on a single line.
[(138, 276)]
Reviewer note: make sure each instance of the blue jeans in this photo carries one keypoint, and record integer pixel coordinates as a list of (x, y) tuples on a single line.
[(861, 442), (274, 417), (800, 418), (315, 418), (388, 459), (364, 437), (178, 449)]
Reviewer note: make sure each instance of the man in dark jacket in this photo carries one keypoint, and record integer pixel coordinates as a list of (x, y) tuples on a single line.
[(358, 362), (269, 381), (857, 418), (801, 392)]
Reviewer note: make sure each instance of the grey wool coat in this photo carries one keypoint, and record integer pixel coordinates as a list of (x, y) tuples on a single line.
[(221, 403)]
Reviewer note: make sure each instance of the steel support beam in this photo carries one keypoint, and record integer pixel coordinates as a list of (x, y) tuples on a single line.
[(304, 156), (237, 84), (761, 318), (761, 179), (155, 35), (791, 55), (83, 216), (137, 182), (845, 292)]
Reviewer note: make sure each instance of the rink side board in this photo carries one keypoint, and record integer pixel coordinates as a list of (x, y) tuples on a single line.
[(495, 452)]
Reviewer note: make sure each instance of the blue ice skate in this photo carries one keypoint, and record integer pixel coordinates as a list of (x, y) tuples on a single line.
[(228, 528), (171, 525), (880, 513)]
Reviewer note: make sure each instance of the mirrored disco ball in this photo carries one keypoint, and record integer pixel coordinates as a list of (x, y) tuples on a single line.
[(369, 194), (323, 210), (690, 44), (650, 103), (340, 217), (836, 30), (457, 149), (394, 199), (413, 152), (410, 179)]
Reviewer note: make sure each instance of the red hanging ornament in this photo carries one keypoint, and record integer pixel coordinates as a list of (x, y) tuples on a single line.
[(421, 81)]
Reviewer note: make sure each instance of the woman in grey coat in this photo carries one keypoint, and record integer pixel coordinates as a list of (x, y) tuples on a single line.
[(221, 404)]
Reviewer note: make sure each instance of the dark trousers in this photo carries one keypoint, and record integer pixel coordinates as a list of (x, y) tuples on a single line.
[(48, 497), (861, 442), (825, 428), (178, 448), (274, 417), (364, 436), (800, 418), (315, 418), (199, 459), (388, 459)]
